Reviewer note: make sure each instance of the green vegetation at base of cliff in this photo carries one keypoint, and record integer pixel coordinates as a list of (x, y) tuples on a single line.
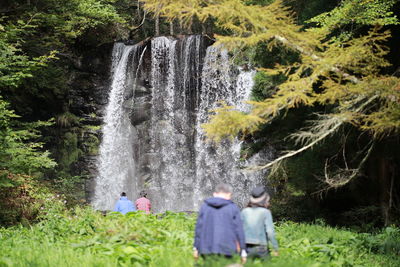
[(83, 237)]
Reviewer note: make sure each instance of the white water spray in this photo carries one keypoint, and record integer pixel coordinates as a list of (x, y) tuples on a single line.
[(115, 163)]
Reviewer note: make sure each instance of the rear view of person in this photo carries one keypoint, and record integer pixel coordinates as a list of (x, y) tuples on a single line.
[(258, 225), (124, 205), (143, 203), (219, 229)]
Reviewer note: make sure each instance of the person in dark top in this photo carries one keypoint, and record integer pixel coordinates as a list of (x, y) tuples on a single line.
[(219, 229)]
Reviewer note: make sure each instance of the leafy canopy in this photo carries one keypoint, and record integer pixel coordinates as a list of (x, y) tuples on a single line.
[(20, 153), (14, 64)]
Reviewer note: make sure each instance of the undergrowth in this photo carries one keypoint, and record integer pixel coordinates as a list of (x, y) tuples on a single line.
[(84, 237)]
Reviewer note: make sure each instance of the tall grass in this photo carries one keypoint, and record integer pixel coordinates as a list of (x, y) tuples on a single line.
[(84, 237)]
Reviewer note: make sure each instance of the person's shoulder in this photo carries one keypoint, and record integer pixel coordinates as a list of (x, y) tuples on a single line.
[(233, 206), (246, 209), (204, 206), (267, 211), (244, 212)]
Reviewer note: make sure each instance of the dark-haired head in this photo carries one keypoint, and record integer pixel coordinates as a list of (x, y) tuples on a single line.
[(259, 198), (143, 193), (123, 194)]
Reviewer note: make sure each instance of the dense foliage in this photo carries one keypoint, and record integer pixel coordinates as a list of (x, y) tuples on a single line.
[(86, 238), (39, 41), (21, 160)]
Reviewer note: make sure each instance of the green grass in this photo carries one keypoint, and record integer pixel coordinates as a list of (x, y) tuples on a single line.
[(86, 238)]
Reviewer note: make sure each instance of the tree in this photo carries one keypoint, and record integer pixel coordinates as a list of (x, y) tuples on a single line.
[(22, 162)]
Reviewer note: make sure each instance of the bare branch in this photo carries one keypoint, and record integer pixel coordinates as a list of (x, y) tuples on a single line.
[(343, 176), (295, 152), (141, 23), (318, 133)]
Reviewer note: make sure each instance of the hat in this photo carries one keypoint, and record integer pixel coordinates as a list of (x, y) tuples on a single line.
[(258, 194)]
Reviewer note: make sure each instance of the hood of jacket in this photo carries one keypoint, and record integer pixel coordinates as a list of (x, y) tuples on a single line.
[(123, 198), (217, 202)]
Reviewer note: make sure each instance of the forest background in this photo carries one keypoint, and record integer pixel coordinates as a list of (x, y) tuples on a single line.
[(327, 91)]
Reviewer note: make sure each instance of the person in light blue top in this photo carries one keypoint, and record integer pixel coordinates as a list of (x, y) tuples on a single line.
[(124, 205), (258, 226)]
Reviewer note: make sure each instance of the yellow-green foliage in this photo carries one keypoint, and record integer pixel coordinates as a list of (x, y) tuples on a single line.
[(229, 119), (377, 12), (347, 73)]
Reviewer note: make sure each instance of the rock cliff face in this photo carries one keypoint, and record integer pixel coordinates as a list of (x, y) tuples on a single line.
[(160, 91), (89, 83)]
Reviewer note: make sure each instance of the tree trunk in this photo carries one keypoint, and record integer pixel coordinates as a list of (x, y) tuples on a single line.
[(384, 189), (383, 173), (171, 28), (157, 26), (190, 26)]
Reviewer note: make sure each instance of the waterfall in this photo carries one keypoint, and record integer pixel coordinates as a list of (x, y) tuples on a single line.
[(115, 163), (173, 80), (156, 142), (217, 163)]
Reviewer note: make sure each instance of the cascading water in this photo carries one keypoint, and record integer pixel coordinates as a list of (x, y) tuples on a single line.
[(216, 163), (115, 164), (156, 142), (173, 75)]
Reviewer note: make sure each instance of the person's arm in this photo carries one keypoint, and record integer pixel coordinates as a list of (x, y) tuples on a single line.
[(269, 228), (238, 227), (197, 232)]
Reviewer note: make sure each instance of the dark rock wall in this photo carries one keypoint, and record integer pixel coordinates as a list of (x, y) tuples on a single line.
[(89, 84)]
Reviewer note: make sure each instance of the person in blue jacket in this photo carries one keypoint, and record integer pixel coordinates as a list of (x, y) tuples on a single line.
[(219, 229), (124, 205)]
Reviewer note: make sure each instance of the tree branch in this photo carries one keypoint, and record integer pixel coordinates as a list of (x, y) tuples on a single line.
[(285, 41), (338, 123), (295, 152), (141, 23)]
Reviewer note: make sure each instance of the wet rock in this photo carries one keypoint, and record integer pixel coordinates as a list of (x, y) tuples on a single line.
[(141, 110), (89, 84), (142, 90)]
